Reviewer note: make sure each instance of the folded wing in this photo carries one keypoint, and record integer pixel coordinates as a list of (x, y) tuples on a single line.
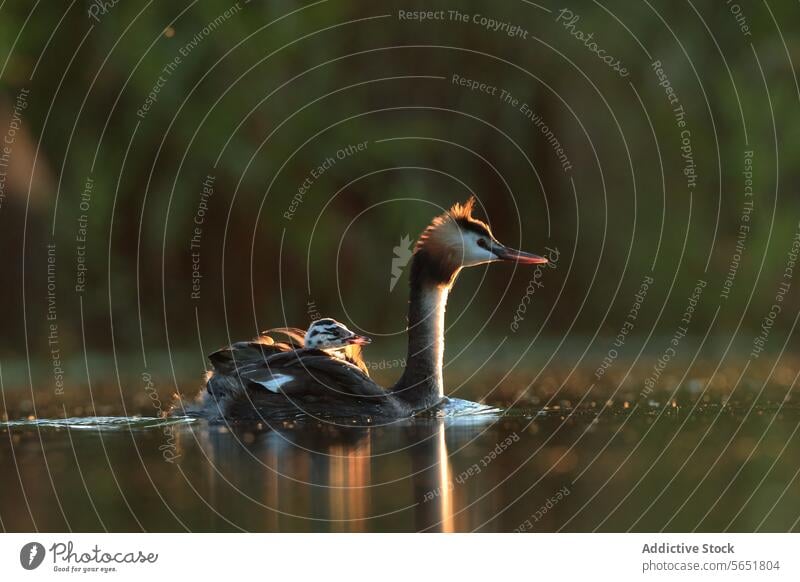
[(283, 367)]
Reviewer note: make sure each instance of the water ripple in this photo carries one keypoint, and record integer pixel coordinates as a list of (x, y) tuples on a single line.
[(97, 422)]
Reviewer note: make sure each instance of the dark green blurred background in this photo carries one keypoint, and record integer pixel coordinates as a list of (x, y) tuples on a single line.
[(266, 94)]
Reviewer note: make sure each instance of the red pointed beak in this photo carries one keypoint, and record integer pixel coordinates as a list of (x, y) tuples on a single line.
[(359, 340), (521, 257)]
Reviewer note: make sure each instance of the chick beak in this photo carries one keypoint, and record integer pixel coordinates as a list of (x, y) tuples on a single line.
[(358, 340), (513, 256)]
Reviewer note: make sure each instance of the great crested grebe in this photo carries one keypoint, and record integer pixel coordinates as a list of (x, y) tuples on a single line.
[(286, 373)]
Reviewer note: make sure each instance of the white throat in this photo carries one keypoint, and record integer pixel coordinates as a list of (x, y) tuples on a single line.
[(433, 303)]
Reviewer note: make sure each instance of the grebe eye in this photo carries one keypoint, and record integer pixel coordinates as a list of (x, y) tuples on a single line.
[(482, 243)]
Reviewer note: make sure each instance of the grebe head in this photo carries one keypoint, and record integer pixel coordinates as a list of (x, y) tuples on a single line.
[(456, 239), (327, 334)]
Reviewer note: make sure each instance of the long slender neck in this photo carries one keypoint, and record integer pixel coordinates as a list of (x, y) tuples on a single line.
[(421, 384)]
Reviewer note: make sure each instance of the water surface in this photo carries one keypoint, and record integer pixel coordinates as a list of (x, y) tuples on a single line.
[(607, 468)]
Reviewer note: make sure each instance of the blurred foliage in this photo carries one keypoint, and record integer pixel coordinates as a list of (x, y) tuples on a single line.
[(274, 90)]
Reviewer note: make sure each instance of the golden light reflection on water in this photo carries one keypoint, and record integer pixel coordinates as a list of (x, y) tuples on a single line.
[(445, 478), (349, 479), (336, 479), (434, 475)]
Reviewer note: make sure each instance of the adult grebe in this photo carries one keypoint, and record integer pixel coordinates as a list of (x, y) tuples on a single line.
[(279, 375)]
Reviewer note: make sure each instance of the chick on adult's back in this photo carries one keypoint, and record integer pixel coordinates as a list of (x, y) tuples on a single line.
[(287, 372)]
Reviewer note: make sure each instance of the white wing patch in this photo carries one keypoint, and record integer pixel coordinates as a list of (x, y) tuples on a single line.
[(275, 383)]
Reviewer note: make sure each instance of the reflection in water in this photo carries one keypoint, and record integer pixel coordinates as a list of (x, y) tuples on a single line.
[(348, 478), (433, 482), (499, 473), (326, 475), (446, 509)]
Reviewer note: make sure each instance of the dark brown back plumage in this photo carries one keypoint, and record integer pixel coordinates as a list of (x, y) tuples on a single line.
[(275, 376)]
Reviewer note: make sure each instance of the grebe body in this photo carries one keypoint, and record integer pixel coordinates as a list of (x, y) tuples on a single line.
[(288, 373)]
